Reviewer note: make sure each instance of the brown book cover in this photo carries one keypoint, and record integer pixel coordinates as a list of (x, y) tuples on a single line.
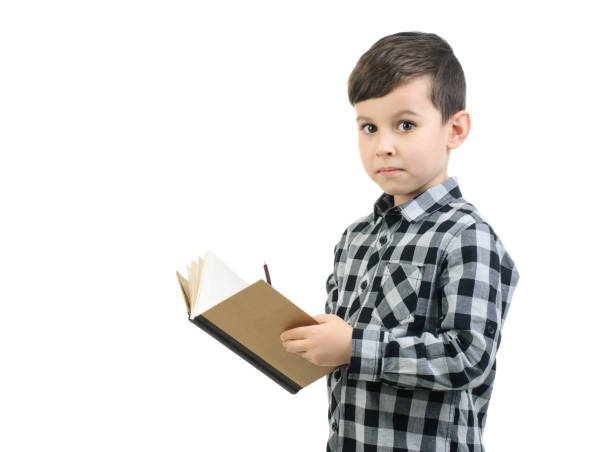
[(250, 323)]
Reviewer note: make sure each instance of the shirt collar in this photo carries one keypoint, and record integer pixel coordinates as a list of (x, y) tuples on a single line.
[(423, 204)]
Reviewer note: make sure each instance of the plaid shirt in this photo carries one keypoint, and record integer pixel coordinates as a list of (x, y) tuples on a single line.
[(426, 287)]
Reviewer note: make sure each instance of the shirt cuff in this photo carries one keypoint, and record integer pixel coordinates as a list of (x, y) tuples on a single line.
[(367, 351)]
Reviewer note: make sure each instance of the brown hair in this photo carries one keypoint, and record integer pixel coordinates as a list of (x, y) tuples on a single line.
[(398, 58)]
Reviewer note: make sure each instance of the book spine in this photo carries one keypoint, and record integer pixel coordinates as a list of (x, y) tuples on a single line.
[(245, 353)]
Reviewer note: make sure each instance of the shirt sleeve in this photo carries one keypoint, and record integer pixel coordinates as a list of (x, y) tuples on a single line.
[(331, 284), (476, 283)]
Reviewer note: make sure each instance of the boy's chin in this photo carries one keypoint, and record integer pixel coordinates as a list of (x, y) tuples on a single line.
[(393, 189)]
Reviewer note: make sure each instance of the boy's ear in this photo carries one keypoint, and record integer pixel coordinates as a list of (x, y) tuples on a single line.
[(459, 127)]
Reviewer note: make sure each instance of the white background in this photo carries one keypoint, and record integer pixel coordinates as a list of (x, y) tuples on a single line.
[(136, 134)]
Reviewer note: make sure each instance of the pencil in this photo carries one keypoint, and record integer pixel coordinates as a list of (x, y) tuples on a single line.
[(267, 273)]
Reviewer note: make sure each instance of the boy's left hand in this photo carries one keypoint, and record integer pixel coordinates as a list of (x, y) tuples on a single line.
[(326, 344)]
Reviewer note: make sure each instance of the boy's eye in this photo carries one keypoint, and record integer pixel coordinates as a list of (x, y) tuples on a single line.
[(366, 125), (408, 122), (400, 123)]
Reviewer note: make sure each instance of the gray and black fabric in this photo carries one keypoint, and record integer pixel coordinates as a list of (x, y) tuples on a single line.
[(426, 286)]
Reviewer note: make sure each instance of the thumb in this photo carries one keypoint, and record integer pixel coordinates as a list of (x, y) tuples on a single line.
[(321, 318)]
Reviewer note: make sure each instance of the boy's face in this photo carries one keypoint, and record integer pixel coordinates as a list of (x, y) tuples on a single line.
[(418, 144)]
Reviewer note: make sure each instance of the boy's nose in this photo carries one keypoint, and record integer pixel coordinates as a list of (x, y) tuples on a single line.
[(385, 152), (385, 142)]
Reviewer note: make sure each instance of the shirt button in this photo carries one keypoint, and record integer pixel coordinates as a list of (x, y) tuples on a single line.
[(334, 426), (382, 240), (337, 374), (364, 284), (491, 329)]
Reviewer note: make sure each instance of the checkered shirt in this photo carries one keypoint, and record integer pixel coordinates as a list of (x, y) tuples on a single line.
[(426, 286)]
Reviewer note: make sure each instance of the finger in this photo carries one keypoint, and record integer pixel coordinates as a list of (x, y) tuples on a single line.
[(296, 346), (321, 318), (295, 333)]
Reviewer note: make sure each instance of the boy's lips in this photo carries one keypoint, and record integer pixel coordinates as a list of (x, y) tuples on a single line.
[(390, 170)]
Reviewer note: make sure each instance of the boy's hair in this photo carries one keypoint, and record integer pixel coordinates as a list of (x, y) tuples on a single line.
[(398, 58)]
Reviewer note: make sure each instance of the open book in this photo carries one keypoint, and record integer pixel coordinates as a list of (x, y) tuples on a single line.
[(248, 319)]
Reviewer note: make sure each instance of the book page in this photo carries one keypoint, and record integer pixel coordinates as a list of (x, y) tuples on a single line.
[(198, 275), (217, 283), (193, 283), (184, 283)]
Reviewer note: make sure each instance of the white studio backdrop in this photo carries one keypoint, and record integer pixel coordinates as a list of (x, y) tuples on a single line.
[(135, 135)]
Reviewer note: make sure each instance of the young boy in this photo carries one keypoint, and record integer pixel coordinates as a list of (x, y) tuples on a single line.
[(422, 284)]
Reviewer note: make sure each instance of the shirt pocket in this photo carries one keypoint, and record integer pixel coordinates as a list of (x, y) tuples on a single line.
[(399, 294)]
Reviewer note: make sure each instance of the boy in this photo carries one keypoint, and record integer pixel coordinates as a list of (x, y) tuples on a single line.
[(421, 286)]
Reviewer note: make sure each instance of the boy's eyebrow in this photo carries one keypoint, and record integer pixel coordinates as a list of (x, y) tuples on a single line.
[(401, 112)]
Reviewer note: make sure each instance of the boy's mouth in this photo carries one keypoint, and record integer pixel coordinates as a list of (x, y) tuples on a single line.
[(388, 171)]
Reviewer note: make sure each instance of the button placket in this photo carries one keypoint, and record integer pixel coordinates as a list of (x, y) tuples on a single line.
[(383, 236)]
